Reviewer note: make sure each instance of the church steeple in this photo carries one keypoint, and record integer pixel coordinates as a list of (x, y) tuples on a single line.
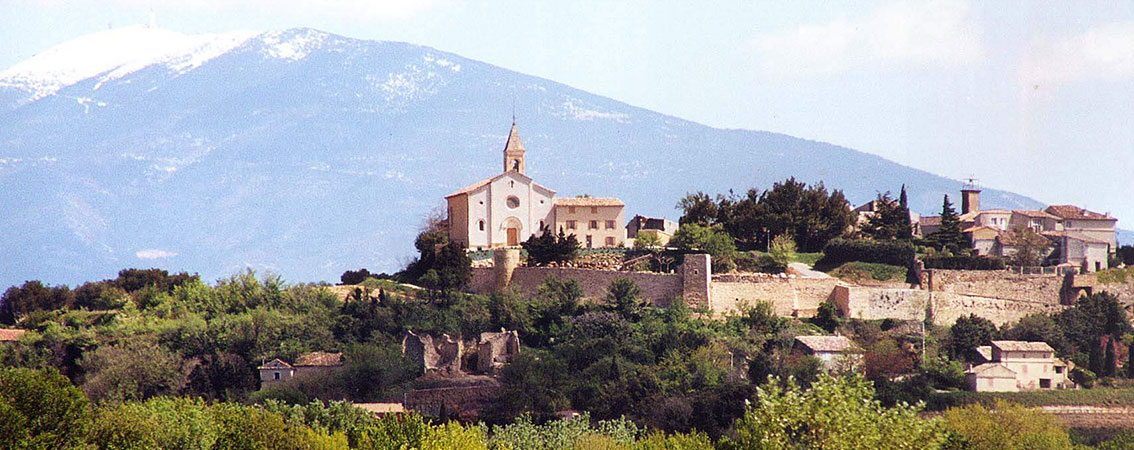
[(514, 152)]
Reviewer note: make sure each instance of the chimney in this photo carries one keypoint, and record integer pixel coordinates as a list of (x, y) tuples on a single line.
[(970, 200)]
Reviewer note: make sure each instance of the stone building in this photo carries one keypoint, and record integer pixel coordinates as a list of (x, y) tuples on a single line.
[(1009, 366), (429, 354), (496, 350), (663, 228), (278, 370), (836, 352), (507, 209)]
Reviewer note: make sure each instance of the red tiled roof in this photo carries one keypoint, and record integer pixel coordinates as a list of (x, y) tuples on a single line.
[(1022, 346), (588, 201), (10, 335), (323, 359), (1034, 214), (1077, 213)]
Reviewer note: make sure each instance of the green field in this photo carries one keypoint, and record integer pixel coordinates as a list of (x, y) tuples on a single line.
[(1099, 396)]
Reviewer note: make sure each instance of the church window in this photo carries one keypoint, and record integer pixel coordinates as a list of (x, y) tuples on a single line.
[(513, 202), (515, 165), (512, 183), (610, 224), (481, 224), (541, 225), (594, 225)]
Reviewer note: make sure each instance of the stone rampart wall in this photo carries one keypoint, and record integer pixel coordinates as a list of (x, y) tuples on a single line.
[(658, 288), (464, 401), (910, 304), (999, 284), (798, 297)]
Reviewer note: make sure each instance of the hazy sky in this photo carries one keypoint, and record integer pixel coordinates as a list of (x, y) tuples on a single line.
[(1031, 96)]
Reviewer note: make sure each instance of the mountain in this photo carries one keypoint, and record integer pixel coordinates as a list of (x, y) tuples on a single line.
[(305, 153)]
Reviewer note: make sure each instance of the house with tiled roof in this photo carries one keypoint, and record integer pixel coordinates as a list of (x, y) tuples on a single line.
[(507, 209), (279, 371), (11, 334), (835, 352), (1009, 366)]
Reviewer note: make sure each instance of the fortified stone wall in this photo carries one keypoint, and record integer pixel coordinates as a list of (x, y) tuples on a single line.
[(799, 297), (466, 402), (658, 288), (910, 304), (999, 284)]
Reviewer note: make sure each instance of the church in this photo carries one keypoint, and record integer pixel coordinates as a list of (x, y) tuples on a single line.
[(507, 209)]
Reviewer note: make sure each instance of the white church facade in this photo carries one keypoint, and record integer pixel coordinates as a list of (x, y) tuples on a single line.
[(507, 209)]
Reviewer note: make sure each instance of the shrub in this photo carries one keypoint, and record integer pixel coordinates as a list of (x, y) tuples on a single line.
[(1005, 426), (755, 262), (1083, 377), (41, 409), (545, 247), (861, 271), (964, 262), (840, 251), (782, 249)]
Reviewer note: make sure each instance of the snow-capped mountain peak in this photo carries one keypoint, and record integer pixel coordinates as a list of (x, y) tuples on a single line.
[(116, 53)]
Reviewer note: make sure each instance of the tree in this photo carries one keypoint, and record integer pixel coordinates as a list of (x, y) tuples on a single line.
[(836, 413), (624, 294), (712, 240), (782, 250), (968, 333), (1126, 254), (114, 373), (905, 229), (827, 316), (890, 220), (546, 248), (1031, 248), (646, 240), (40, 409), (18, 302), (949, 236), (697, 208), (1007, 426), (354, 276)]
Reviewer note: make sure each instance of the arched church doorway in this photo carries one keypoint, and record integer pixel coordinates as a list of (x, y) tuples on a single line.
[(512, 227)]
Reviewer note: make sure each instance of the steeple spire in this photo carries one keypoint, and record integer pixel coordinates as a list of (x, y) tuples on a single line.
[(514, 151)]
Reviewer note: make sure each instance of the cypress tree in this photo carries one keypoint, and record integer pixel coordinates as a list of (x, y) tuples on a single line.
[(1130, 361), (949, 236), (1110, 363), (905, 227)]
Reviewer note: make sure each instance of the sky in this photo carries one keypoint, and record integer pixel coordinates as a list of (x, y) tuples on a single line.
[(1036, 97)]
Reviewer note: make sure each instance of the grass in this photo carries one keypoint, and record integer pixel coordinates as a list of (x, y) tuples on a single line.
[(1115, 276), (869, 271), (1099, 396)]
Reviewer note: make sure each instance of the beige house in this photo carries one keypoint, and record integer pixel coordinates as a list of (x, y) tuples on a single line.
[(836, 352), (279, 371), (507, 209), (595, 222), (1009, 366), (11, 334)]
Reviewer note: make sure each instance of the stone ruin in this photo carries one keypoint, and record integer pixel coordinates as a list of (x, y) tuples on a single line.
[(444, 355), (496, 350), (429, 354)]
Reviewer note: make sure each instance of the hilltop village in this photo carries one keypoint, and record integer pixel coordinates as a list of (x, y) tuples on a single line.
[(559, 320)]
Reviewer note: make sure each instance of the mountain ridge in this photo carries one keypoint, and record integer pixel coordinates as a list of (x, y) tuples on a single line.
[(308, 153)]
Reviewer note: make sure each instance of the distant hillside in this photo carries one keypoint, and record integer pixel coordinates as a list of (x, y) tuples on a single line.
[(307, 154)]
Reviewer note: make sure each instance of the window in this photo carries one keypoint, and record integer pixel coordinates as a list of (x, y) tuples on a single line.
[(594, 210), (512, 183), (1058, 369), (571, 209), (1045, 383), (590, 240), (277, 374), (610, 224), (570, 224), (515, 165), (541, 224), (593, 225), (610, 241), (481, 224), (513, 202)]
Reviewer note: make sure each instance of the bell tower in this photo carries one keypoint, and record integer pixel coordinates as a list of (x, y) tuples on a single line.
[(514, 152)]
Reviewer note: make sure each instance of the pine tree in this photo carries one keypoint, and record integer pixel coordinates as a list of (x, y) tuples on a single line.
[(949, 236)]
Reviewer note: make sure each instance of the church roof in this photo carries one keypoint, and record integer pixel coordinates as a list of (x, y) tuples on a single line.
[(514, 143), (479, 184), (588, 201)]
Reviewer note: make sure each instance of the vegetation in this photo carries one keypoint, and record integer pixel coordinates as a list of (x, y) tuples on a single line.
[(1115, 276), (860, 271), (1006, 426), (546, 247), (891, 219), (948, 238), (1126, 254), (840, 251), (809, 214)]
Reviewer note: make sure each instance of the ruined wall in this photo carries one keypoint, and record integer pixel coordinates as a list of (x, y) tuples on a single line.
[(910, 304), (658, 288), (799, 297), (465, 402)]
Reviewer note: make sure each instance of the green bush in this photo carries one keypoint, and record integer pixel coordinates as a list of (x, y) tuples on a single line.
[(841, 251), (758, 262), (963, 262), (869, 271)]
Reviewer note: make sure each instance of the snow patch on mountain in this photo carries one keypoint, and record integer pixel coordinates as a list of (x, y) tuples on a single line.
[(116, 53), (293, 45), (572, 109)]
